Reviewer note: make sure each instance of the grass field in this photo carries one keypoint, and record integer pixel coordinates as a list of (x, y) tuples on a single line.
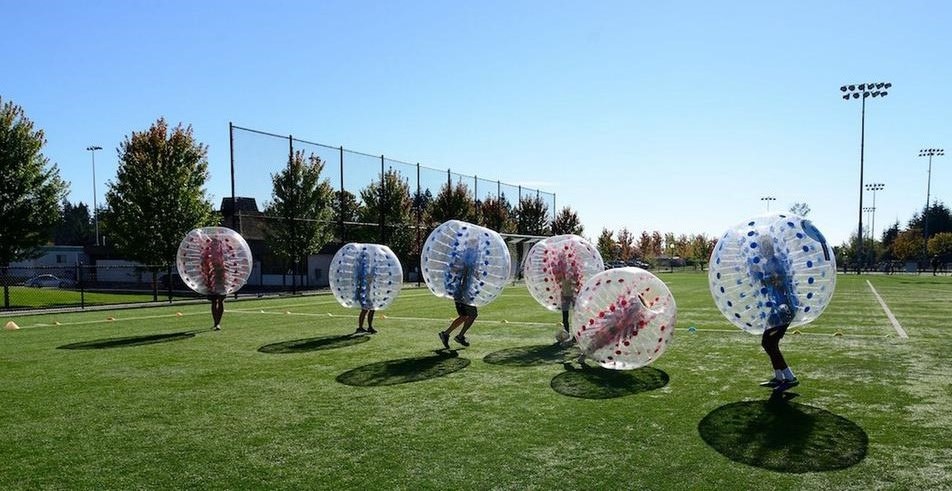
[(282, 398)]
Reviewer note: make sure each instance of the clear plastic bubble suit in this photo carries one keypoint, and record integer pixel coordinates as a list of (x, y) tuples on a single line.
[(624, 318), (365, 276), (556, 268), (465, 262), (772, 270), (214, 260)]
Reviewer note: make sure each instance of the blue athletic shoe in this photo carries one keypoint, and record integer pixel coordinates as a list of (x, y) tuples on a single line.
[(786, 384), (772, 383)]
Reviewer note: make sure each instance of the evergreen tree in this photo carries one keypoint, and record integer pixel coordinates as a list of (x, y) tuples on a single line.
[(301, 211), (566, 222)]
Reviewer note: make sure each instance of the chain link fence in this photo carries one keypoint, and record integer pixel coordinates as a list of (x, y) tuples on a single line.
[(257, 155), (82, 286)]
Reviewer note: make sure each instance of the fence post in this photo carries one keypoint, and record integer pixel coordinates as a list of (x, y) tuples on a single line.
[(383, 204), (340, 200), (231, 149), (82, 287), (168, 275), (476, 196), (419, 220), (6, 289)]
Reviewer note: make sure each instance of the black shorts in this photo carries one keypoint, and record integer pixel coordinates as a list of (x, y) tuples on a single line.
[(466, 310), (777, 331)]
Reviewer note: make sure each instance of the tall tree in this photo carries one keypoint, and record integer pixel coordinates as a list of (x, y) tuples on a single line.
[(345, 206), (393, 205), (566, 222), (644, 245), (158, 195), (496, 214), (941, 245), (939, 219), (682, 247), (908, 245), (453, 203), (701, 248), (532, 216), (626, 244), (75, 226), (300, 212), (606, 245), (30, 188), (657, 244)]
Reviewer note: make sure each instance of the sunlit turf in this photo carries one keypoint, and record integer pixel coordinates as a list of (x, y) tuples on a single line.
[(281, 398)]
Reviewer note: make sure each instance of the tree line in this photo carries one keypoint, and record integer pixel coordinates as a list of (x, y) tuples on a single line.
[(158, 195), (927, 236)]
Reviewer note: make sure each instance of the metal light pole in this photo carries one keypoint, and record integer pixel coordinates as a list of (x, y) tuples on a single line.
[(928, 152), (871, 210), (876, 186), (768, 199), (862, 91), (92, 151)]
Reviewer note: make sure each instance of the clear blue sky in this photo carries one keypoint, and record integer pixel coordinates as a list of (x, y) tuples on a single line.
[(670, 116)]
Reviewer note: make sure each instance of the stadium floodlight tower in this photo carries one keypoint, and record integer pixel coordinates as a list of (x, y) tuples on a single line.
[(92, 151), (768, 199), (874, 186), (928, 152), (862, 91)]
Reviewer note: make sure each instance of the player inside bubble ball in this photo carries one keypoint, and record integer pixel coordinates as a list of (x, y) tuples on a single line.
[(772, 269), (627, 319), (364, 275), (214, 271), (569, 277), (459, 281)]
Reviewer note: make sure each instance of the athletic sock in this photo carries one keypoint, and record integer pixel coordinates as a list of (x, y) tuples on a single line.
[(778, 374), (788, 374)]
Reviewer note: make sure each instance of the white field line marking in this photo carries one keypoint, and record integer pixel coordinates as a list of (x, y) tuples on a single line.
[(106, 321), (895, 323)]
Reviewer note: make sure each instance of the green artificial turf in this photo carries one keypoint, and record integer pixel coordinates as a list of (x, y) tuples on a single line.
[(283, 397)]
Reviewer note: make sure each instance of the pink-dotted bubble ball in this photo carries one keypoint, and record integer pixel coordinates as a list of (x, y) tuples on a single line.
[(624, 318), (556, 268), (214, 260)]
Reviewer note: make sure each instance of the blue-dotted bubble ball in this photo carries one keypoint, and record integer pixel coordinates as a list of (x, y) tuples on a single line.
[(624, 318), (214, 260), (365, 276), (556, 268), (465, 262), (772, 270)]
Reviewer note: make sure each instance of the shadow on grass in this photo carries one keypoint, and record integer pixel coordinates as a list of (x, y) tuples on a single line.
[(130, 341), (405, 370), (784, 436), (602, 383), (526, 356), (314, 344)]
